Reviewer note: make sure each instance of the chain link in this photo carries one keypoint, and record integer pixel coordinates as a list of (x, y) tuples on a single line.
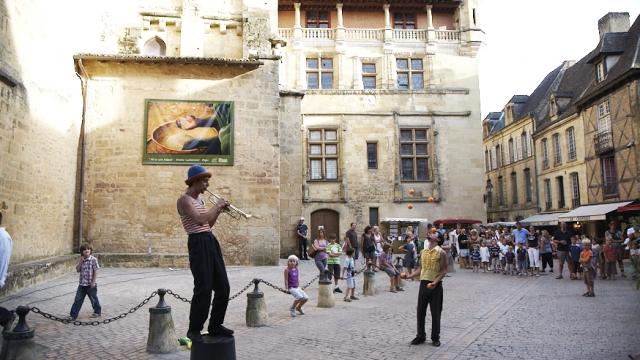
[(310, 282), (275, 286), (178, 296), (95, 322), (241, 291)]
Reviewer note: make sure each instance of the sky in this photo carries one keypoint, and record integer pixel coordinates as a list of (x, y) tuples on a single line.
[(525, 40)]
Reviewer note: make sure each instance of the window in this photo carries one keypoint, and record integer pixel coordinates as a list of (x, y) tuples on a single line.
[(487, 161), (414, 155), (524, 147), (527, 185), (410, 74), (571, 141), (374, 216), (154, 47), (547, 193), (319, 73), (369, 76), (318, 19), (575, 190), (545, 154), (601, 71), (500, 190), (372, 155), (557, 152), (604, 117), (492, 158), (553, 107), (514, 188), (404, 21), (498, 156), (609, 176), (511, 152), (560, 183), (323, 154)]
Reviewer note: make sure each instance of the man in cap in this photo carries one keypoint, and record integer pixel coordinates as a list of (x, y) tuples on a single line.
[(205, 256), (303, 235)]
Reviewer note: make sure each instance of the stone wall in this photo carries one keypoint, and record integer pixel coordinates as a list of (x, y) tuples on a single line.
[(130, 207), (40, 107), (291, 173)]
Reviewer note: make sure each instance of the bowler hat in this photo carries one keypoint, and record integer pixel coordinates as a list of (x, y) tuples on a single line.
[(196, 172)]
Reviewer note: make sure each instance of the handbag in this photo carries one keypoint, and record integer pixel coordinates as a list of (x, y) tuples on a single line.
[(312, 251)]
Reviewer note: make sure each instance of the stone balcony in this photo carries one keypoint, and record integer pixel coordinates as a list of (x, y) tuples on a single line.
[(377, 35)]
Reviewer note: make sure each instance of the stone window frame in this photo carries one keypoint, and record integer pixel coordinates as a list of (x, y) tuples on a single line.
[(500, 190), (511, 150), (528, 193), (571, 144), (369, 75), (410, 71), (319, 70), (575, 189), (544, 144), (312, 17), (524, 144), (557, 149), (322, 156), (414, 142), (562, 199), (601, 70), (404, 23), (372, 161), (603, 112), (514, 188), (548, 195), (609, 176)]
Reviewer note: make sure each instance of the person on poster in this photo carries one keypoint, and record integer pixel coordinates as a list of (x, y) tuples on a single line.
[(205, 256), (216, 145)]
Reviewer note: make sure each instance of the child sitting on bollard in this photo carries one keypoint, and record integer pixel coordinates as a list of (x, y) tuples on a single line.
[(386, 265), (291, 283), (88, 269), (349, 273)]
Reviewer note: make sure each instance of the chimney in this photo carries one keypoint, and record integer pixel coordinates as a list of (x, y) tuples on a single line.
[(614, 22)]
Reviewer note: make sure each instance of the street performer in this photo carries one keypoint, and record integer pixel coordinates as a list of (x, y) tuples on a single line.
[(432, 269), (205, 256)]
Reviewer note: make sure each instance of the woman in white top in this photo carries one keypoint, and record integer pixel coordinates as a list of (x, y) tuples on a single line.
[(377, 238)]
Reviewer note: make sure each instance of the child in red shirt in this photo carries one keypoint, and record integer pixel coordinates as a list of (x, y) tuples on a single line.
[(610, 258), (587, 269)]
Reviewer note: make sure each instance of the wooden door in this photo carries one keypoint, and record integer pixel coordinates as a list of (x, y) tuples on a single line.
[(329, 219)]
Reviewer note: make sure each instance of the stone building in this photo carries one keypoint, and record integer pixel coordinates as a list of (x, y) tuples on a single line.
[(349, 116), (611, 112), (390, 128), (585, 136)]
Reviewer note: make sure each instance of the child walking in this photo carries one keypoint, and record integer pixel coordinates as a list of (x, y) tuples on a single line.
[(484, 256), (475, 258), (349, 273), (575, 250), (588, 271), (88, 269), (291, 283)]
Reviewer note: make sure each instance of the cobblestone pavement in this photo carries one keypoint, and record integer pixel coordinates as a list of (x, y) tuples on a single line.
[(485, 316)]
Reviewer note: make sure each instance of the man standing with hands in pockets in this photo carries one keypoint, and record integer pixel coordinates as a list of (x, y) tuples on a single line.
[(432, 269)]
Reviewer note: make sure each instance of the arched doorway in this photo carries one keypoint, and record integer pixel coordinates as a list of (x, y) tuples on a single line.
[(154, 47), (329, 219)]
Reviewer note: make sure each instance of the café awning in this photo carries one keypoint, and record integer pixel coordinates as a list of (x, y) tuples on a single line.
[(549, 219), (592, 212), (410, 220), (629, 208)]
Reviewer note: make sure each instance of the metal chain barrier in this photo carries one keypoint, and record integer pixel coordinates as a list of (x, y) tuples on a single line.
[(95, 322), (155, 293)]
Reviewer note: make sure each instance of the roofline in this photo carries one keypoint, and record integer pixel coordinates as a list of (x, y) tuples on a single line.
[(168, 60), (620, 80)]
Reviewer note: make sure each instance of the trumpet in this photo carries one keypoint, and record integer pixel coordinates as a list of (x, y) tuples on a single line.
[(230, 210)]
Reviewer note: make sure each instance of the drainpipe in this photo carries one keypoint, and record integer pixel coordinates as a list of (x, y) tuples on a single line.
[(83, 85)]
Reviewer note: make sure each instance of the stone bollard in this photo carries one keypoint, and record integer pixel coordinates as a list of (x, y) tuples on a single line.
[(18, 343), (256, 314), (214, 348), (325, 292), (369, 283), (162, 333)]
